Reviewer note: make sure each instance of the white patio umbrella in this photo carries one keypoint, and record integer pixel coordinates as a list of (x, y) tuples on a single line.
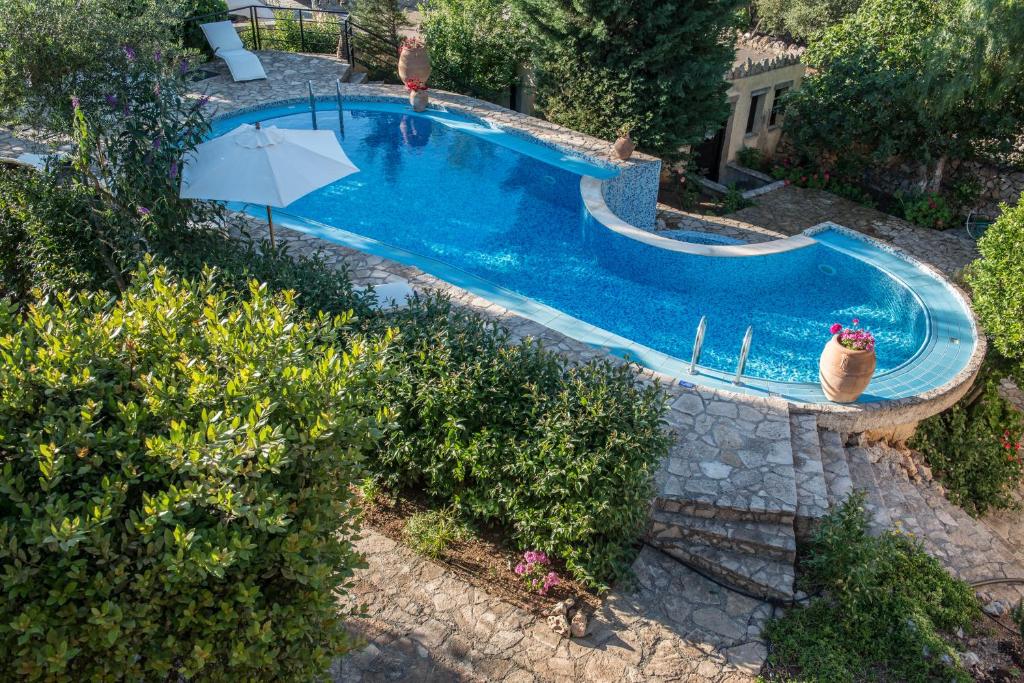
[(270, 166)]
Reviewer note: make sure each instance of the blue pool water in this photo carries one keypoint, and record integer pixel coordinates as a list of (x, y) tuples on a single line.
[(511, 214)]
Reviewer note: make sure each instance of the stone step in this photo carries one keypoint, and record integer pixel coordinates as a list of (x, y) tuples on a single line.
[(811, 490), (754, 538), (761, 576), (862, 474), (728, 461), (837, 469), (355, 77)]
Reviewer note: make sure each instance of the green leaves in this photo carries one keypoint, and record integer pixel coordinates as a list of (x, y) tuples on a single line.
[(560, 455), (995, 281), (155, 524)]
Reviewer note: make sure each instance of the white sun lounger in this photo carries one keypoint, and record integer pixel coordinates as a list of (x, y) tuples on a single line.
[(223, 38)]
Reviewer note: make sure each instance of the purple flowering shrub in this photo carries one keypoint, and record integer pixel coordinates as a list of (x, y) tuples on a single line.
[(853, 337), (535, 572), (129, 144)]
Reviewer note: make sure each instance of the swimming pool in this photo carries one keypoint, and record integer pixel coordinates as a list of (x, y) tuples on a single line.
[(502, 215)]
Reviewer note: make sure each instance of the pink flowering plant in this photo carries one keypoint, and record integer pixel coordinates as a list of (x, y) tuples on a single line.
[(535, 571), (853, 337)]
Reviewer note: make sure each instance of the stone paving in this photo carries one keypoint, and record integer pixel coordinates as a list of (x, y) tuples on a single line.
[(426, 622)]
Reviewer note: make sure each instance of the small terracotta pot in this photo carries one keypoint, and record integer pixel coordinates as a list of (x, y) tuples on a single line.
[(623, 148), (845, 373), (418, 99), (414, 63)]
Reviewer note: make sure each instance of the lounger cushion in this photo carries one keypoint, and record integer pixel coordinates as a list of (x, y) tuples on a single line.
[(223, 38)]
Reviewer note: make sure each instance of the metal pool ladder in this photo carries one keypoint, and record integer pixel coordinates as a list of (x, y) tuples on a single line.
[(698, 342), (744, 352), (312, 103)]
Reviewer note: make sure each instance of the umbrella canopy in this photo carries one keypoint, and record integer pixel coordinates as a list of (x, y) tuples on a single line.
[(267, 166)]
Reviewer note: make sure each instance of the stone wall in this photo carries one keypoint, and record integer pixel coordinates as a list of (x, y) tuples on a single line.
[(997, 185)]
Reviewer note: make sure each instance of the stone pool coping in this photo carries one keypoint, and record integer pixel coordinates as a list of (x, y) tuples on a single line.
[(871, 415)]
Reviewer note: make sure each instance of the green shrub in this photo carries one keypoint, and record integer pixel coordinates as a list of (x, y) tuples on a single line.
[(45, 243), (995, 280), (1017, 614), (734, 200), (929, 210), (974, 449), (192, 35), (751, 157), (560, 455), (378, 28), (839, 184), (883, 607), (431, 533), (175, 470), (476, 46), (319, 35), (801, 19)]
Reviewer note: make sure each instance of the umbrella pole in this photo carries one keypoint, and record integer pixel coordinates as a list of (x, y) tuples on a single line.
[(270, 222)]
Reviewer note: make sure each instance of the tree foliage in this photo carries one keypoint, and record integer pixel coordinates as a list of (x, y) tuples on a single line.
[(477, 46), (801, 19), (378, 29), (656, 66), (50, 50), (869, 100), (175, 469)]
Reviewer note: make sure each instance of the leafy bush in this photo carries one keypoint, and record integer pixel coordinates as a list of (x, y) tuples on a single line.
[(884, 605), (995, 280), (61, 47), (803, 175), (200, 10), (319, 35), (476, 46), (975, 449), (561, 455), (801, 19), (1017, 614), (929, 210), (431, 533), (734, 200), (751, 157), (175, 475)]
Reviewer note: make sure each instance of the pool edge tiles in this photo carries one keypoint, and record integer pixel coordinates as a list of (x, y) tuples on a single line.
[(659, 363)]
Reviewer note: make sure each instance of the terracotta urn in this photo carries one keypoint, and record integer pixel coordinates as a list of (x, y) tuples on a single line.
[(414, 63), (623, 148), (418, 99), (845, 373)]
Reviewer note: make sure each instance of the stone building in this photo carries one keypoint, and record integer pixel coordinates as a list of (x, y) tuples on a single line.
[(762, 72)]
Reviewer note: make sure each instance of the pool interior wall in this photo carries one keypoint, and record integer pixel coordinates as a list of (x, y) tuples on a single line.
[(548, 184)]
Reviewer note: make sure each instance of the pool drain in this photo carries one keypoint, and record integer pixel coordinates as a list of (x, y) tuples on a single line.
[(827, 269)]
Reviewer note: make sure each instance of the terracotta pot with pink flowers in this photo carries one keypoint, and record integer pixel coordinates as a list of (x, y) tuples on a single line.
[(847, 363), (414, 60)]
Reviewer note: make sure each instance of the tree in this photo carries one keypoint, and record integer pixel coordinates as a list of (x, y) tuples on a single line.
[(49, 50), (657, 66), (801, 19), (477, 46), (378, 27), (868, 100)]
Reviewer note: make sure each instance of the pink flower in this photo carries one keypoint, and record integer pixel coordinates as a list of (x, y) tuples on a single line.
[(856, 321), (520, 569), (835, 329)]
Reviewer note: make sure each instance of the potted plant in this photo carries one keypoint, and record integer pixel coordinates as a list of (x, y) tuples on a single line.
[(623, 147), (417, 94), (413, 60), (847, 363)]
